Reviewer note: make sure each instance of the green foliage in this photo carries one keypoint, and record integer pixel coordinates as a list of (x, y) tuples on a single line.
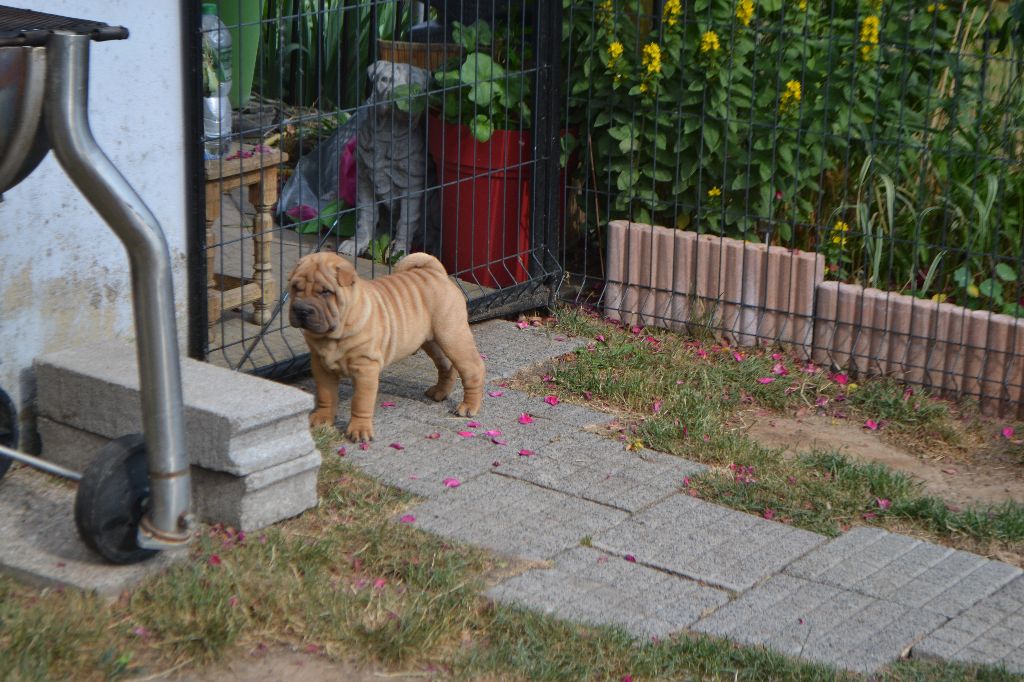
[(489, 89), (780, 121), (336, 216)]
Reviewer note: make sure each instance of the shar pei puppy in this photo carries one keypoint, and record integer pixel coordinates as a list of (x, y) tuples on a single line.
[(355, 327)]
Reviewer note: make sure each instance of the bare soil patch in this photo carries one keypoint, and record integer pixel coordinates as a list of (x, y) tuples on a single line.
[(985, 475)]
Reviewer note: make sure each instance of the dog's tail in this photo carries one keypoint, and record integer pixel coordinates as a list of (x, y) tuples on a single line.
[(420, 260)]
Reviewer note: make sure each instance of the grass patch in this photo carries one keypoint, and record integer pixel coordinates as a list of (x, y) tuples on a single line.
[(344, 580), (687, 397)]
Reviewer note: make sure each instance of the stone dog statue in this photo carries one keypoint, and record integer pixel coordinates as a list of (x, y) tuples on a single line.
[(393, 169)]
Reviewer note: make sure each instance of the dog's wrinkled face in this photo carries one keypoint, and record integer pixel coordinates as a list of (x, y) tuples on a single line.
[(318, 288), (386, 76)]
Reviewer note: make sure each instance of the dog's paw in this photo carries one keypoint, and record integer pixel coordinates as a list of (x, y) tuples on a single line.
[(466, 410), (350, 247), (359, 430), (320, 418), (436, 393)]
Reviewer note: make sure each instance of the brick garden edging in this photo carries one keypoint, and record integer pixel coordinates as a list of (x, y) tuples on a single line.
[(751, 294)]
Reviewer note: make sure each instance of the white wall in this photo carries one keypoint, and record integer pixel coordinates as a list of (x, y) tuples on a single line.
[(63, 273)]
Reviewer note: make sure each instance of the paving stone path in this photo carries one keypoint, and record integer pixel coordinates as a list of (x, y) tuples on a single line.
[(623, 546)]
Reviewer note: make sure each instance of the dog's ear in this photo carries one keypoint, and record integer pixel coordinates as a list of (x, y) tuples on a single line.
[(420, 77), (344, 272), (374, 70)]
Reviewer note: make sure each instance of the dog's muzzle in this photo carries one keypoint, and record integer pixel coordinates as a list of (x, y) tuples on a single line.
[(302, 315)]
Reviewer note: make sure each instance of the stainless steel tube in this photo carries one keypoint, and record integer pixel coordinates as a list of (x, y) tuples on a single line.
[(40, 464), (67, 125)]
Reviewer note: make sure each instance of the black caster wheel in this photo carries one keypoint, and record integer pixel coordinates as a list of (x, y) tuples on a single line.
[(112, 498), (8, 429)]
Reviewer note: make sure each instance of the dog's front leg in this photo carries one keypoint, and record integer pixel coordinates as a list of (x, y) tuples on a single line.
[(408, 220), (326, 393), (365, 380), (367, 215)]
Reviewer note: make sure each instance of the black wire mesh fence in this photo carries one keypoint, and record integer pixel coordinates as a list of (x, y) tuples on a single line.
[(374, 128), (843, 176)]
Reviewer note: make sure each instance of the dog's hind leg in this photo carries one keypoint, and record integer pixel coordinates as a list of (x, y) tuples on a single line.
[(445, 373), (460, 347)]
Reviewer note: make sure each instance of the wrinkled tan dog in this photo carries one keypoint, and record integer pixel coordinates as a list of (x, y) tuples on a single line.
[(354, 327)]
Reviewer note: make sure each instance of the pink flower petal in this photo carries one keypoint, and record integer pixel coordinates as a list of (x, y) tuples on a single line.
[(452, 483), (214, 560), (233, 601), (841, 379), (397, 446), (341, 451), (883, 503), (738, 357), (869, 516), (630, 558), (821, 401), (493, 433), (408, 518), (473, 425), (1007, 432), (656, 407), (599, 338), (467, 434), (547, 378), (364, 445), (483, 357), (524, 418), (379, 583), (587, 395), (433, 436), (526, 453), (780, 369), (522, 325), (766, 380), (768, 514), (686, 481), (499, 441), (495, 394), (551, 400), (387, 404), (495, 463), (142, 632), (776, 356), (871, 425)]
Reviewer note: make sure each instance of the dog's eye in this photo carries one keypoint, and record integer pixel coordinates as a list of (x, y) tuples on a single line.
[(326, 292)]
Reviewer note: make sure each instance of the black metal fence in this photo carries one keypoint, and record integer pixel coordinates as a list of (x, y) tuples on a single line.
[(843, 176), (373, 128)]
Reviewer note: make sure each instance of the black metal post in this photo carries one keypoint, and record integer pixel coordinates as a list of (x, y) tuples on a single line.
[(195, 185)]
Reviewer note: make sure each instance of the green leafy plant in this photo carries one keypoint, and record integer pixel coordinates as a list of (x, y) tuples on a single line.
[(335, 216), (489, 89)]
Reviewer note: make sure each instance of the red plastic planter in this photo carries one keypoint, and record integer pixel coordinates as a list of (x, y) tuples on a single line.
[(485, 203)]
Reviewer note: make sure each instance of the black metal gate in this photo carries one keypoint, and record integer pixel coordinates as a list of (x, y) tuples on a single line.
[(372, 127)]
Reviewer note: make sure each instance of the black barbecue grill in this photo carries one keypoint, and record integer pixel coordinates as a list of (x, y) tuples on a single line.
[(134, 498)]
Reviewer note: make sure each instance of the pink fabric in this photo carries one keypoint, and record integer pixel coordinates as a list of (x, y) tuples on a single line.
[(347, 173)]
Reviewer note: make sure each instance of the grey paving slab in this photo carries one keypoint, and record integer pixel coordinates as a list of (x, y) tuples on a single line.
[(990, 632), (902, 569), (602, 470), (821, 623), (589, 586), (41, 546), (508, 349), (513, 517), (708, 543)]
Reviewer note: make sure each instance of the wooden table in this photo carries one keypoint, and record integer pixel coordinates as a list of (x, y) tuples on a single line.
[(256, 168)]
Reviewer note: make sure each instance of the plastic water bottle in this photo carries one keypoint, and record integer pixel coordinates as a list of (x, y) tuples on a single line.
[(217, 79)]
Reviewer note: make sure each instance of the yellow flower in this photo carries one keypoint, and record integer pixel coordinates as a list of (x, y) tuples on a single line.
[(715, 192), (940, 298), (791, 96), (643, 87), (614, 52), (709, 42), (652, 58), (936, 7), (670, 15), (839, 232), (868, 36), (803, 5), (745, 11)]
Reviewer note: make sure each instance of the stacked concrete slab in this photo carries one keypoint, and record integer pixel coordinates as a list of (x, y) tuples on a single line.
[(253, 459)]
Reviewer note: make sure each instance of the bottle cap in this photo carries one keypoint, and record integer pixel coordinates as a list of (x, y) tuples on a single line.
[(209, 8)]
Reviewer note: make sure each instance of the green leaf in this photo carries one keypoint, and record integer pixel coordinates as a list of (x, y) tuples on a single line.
[(479, 67), (481, 128), (712, 137), (1006, 273), (992, 289), (962, 276), (484, 93)]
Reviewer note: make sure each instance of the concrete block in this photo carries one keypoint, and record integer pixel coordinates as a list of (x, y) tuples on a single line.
[(821, 623), (990, 632), (908, 571), (234, 422), (247, 502), (511, 516), (708, 543)]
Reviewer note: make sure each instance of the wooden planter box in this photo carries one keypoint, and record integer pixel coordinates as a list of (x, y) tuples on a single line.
[(746, 293), (951, 350)]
